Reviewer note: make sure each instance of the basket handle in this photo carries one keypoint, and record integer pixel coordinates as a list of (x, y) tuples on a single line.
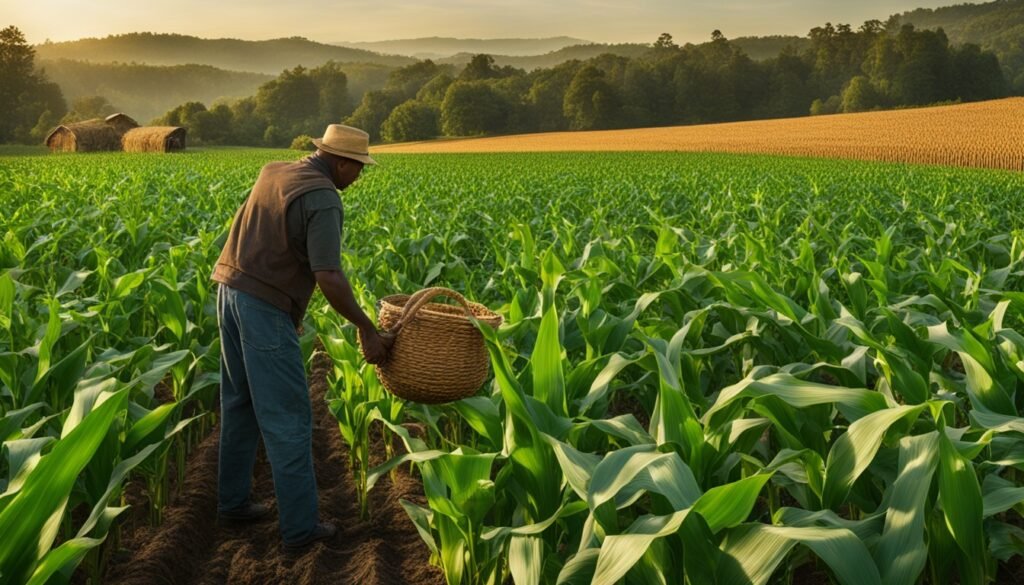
[(421, 298)]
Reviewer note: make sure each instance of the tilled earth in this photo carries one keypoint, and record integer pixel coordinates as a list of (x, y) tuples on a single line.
[(190, 549)]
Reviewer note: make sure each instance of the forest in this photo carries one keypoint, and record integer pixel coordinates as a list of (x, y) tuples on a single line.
[(835, 69), (841, 69)]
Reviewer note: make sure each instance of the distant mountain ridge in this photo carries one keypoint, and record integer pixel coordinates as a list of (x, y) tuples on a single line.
[(444, 47), (268, 57)]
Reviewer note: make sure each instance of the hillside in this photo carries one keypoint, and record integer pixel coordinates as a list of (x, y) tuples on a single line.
[(759, 48), (997, 26), (147, 91), (442, 47), (268, 57), (924, 135), (581, 52), (768, 47)]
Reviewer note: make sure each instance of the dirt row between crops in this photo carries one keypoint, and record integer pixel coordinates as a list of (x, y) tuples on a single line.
[(190, 549)]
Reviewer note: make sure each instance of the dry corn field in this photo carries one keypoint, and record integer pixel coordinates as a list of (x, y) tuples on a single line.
[(983, 134)]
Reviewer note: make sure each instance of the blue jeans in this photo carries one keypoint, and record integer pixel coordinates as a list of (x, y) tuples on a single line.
[(263, 391)]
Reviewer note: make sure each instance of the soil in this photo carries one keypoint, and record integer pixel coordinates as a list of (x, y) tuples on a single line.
[(810, 574), (628, 403), (189, 547)]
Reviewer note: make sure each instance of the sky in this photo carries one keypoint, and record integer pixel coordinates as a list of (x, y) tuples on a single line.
[(370, 20)]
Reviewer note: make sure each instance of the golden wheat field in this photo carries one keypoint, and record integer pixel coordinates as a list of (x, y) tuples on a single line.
[(982, 134)]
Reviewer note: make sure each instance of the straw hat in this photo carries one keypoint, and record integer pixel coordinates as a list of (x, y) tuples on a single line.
[(346, 141)]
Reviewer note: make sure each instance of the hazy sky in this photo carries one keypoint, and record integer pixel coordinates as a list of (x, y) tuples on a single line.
[(366, 20)]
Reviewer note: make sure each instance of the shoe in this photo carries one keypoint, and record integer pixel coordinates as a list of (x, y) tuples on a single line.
[(323, 531), (251, 512)]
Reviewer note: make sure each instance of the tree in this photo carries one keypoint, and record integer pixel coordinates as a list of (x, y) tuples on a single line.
[(479, 67), (412, 120), (26, 96), (46, 123), (859, 95), (213, 126), (546, 96), (89, 107), (643, 101), (375, 107), (433, 91), (482, 67), (17, 62), (472, 108), (788, 94), (303, 142), (925, 72), (977, 74), (246, 127), (665, 42), (872, 27), (183, 115), (590, 102), (407, 81), (290, 103), (830, 106), (47, 106), (882, 64), (332, 86)]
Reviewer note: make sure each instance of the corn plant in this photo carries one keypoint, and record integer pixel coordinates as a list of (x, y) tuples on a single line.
[(713, 368), (724, 388)]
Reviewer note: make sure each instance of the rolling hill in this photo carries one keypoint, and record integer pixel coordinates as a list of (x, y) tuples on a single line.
[(997, 26), (268, 57), (441, 47), (581, 52), (147, 91), (768, 47)]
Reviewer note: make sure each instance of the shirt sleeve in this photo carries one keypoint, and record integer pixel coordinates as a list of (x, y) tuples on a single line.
[(323, 230)]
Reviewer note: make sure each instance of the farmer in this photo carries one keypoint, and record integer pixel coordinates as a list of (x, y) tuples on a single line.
[(284, 242)]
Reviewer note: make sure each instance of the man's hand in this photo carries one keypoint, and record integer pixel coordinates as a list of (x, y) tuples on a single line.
[(335, 287), (376, 344)]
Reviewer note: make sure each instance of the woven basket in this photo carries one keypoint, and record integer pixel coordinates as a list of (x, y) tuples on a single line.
[(438, 354)]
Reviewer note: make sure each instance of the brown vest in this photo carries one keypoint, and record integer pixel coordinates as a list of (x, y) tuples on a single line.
[(257, 258)]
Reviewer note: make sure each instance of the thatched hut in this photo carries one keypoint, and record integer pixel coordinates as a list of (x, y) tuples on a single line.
[(88, 136), (121, 122), (154, 139)]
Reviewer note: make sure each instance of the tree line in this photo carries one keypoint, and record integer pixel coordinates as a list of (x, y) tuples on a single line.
[(836, 69), (995, 26)]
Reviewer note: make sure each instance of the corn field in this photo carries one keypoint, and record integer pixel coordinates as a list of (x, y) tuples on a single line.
[(714, 368), (981, 134)]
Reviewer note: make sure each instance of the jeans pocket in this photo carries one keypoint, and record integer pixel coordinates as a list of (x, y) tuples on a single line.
[(262, 326)]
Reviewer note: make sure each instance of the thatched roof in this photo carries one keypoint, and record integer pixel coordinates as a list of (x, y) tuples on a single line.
[(90, 135), (121, 122), (154, 139)]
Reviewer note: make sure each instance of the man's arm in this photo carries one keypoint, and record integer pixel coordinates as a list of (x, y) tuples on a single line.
[(336, 288), (323, 241)]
